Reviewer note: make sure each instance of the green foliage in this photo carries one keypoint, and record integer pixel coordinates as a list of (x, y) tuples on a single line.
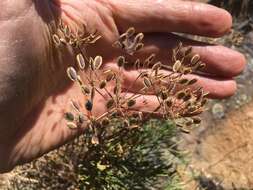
[(131, 160), (142, 158)]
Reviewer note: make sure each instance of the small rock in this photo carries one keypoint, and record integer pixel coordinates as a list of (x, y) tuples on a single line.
[(218, 111)]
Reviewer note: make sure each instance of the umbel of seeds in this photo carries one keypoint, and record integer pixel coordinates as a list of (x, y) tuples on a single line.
[(179, 97)]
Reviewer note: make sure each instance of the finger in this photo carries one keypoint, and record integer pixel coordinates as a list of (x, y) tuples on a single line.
[(171, 16), (217, 87), (220, 61)]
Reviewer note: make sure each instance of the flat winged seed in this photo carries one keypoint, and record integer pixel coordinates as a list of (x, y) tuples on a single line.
[(138, 38), (109, 104), (88, 105), (195, 59), (177, 65), (67, 32), (139, 46), (102, 84), (151, 57), (163, 95), (105, 122), (187, 71), (156, 66), (187, 97), (147, 82), (81, 119), (131, 103), (180, 95), (169, 102), (72, 74), (97, 62), (130, 32), (71, 125), (201, 66), (69, 116), (110, 76), (56, 40), (80, 60), (192, 81), (196, 120), (121, 61), (85, 90), (183, 81), (137, 64)]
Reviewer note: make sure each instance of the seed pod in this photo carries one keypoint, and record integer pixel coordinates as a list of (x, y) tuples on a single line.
[(187, 97), (85, 90), (189, 123), (196, 120), (201, 66), (163, 95), (156, 66), (177, 66), (110, 76), (139, 46), (80, 60), (105, 122), (182, 128), (96, 64), (149, 59), (69, 116), (102, 84), (131, 103), (121, 61), (144, 74), (56, 40), (110, 104), (192, 81), (130, 32), (180, 95), (88, 105), (147, 82), (203, 102), (71, 125), (67, 31), (81, 119), (195, 59), (183, 81), (169, 102), (137, 64), (72, 74), (187, 71), (138, 38)]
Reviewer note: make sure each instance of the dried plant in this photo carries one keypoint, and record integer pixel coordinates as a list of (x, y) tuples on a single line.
[(177, 99)]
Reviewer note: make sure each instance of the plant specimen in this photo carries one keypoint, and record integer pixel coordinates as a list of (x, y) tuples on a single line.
[(177, 99)]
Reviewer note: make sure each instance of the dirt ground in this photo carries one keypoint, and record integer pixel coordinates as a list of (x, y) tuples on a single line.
[(222, 148)]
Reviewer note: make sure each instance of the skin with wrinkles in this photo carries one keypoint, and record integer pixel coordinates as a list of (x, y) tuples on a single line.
[(34, 90)]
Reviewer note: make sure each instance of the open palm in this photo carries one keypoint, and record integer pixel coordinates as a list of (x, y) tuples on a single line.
[(34, 89)]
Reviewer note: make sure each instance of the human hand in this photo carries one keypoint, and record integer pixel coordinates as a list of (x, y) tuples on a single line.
[(34, 89)]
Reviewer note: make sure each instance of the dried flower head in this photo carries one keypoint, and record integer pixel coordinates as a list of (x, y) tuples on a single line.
[(178, 97)]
